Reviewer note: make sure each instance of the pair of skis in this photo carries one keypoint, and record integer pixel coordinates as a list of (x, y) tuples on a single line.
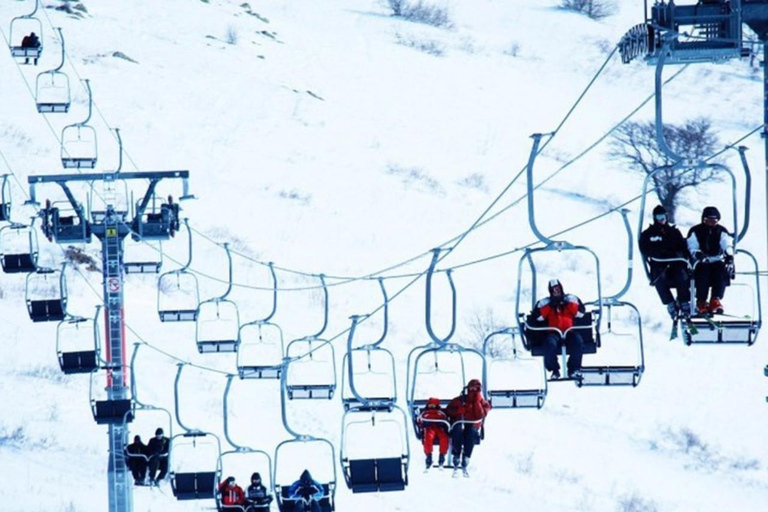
[(690, 328), (455, 474)]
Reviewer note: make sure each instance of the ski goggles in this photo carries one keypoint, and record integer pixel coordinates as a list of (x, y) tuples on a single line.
[(661, 217)]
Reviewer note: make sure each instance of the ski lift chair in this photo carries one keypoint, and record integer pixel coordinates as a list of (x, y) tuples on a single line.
[(245, 455), (139, 411), (257, 358), (77, 345), (5, 200), (616, 375), (178, 295), (732, 330), (217, 326), (134, 263), (282, 486), (20, 27), (380, 474), (18, 248), (218, 320), (312, 354), (308, 354), (512, 397), (110, 411), (46, 295), (178, 292), (52, 91), (534, 331), (153, 222), (417, 398), (697, 32), (188, 484), (79, 147), (66, 224)]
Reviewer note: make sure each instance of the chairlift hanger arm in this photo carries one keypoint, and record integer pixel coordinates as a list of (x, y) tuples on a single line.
[(428, 308), (63, 52), (630, 250), (529, 175), (147, 197)]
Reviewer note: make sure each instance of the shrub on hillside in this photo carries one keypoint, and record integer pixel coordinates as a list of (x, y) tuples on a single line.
[(420, 11), (594, 9)]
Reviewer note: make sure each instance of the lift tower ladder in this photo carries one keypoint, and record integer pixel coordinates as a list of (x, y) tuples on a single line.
[(111, 227)]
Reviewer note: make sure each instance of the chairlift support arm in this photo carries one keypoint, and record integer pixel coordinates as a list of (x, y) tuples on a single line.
[(428, 308)]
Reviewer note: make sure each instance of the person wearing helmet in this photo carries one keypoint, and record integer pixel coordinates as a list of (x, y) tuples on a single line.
[(711, 248), (257, 497), (157, 451), (559, 310), (467, 413), (663, 241), (231, 495), (433, 423)]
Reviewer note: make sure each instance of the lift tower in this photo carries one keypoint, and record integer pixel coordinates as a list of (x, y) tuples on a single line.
[(68, 223)]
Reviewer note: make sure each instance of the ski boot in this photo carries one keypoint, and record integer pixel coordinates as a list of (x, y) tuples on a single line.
[(464, 464), (716, 307), (685, 309), (672, 310), (441, 461), (702, 307), (428, 463), (456, 463)]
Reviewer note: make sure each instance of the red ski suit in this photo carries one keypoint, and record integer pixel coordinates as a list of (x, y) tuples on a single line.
[(560, 316), (231, 495), (473, 408), (432, 430)]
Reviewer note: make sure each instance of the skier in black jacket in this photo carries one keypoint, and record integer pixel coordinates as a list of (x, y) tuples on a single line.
[(664, 241), (711, 247), (157, 450), (257, 497), (136, 460)]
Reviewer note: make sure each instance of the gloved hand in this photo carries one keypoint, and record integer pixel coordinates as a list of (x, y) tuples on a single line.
[(697, 256), (730, 267)]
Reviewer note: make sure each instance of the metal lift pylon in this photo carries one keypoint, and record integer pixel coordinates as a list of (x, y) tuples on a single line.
[(111, 227)]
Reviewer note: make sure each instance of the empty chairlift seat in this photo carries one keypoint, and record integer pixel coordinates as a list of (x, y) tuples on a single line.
[(374, 475), (194, 486), (85, 361), (112, 412), (18, 263), (46, 310)]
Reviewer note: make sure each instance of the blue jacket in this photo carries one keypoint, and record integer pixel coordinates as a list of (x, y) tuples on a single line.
[(305, 487)]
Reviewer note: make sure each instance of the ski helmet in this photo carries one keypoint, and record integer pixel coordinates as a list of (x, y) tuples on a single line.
[(710, 212)]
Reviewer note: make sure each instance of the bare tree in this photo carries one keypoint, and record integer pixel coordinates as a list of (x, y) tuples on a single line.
[(481, 323), (635, 143), (594, 9)]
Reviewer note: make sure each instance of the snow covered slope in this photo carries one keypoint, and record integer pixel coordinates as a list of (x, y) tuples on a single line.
[(328, 136)]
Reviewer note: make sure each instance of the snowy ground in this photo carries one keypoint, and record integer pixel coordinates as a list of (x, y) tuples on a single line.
[(330, 137)]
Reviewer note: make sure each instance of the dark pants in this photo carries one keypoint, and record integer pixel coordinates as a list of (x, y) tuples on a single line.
[(464, 436), (575, 345), (158, 463), (710, 275), (673, 276), (138, 467), (313, 506)]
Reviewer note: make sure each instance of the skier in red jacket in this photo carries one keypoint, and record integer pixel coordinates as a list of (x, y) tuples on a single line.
[(232, 495), (559, 310), (467, 412), (434, 424)]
